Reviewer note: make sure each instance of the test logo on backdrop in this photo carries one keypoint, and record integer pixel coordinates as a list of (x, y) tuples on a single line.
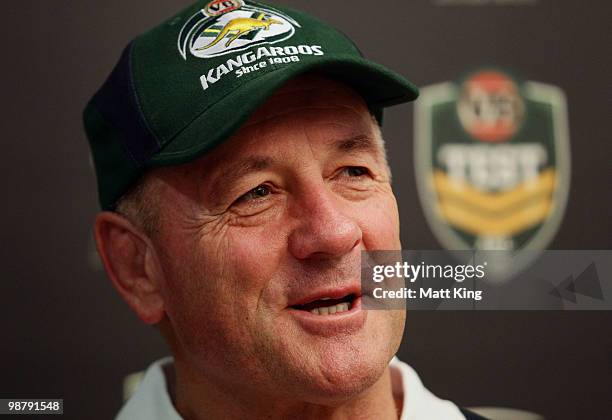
[(492, 160), (226, 26)]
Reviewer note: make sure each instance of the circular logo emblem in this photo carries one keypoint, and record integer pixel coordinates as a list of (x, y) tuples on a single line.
[(223, 27), (490, 107)]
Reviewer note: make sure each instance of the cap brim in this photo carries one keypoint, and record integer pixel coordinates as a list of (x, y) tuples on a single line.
[(379, 87)]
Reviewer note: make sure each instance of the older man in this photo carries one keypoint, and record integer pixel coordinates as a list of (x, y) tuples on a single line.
[(242, 172)]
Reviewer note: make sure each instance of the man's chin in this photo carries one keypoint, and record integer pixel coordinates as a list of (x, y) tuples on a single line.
[(333, 368), (340, 379)]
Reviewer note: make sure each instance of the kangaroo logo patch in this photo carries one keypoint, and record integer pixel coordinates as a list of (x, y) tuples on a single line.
[(226, 26), (492, 162)]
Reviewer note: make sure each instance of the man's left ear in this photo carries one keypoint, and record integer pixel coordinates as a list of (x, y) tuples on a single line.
[(132, 265)]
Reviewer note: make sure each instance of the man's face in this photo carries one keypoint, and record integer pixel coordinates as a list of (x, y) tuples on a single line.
[(269, 226)]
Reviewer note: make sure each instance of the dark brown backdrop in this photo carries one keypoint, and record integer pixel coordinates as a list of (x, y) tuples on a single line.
[(67, 335)]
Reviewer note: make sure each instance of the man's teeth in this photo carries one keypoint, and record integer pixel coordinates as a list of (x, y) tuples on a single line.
[(341, 307)]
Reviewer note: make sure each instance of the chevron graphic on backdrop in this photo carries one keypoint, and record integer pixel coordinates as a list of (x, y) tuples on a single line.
[(499, 213)]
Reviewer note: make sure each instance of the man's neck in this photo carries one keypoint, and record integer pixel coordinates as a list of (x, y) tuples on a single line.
[(203, 400)]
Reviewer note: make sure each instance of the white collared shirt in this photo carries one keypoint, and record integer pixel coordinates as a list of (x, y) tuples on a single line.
[(151, 400)]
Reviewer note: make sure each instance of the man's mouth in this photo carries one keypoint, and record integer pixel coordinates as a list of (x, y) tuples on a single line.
[(328, 305)]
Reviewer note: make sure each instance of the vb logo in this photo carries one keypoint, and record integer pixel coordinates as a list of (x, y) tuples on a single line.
[(218, 7)]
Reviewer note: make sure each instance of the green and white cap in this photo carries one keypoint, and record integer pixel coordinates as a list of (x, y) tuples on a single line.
[(188, 84)]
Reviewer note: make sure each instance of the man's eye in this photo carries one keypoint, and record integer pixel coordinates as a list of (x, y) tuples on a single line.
[(257, 192), (355, 171)]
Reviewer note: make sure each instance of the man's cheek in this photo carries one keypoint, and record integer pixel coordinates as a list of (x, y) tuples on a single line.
[(379, 222), (255, 257)]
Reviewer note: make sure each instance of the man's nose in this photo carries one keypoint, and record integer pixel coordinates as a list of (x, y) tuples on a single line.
[(324, 230)]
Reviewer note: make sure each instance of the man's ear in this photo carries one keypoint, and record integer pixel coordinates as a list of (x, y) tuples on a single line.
[(131, 264)]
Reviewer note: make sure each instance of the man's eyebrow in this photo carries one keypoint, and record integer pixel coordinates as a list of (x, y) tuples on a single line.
[(359, 143)]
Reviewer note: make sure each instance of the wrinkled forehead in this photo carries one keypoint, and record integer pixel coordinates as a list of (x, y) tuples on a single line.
[(309, 109)]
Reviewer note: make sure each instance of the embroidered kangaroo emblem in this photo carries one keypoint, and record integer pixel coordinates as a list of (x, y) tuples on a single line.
[(239, 27)]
